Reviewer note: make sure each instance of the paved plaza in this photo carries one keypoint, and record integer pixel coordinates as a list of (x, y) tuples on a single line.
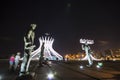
[(66, 71)]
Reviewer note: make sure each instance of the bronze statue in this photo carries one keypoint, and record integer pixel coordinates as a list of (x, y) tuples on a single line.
[(28, 48)]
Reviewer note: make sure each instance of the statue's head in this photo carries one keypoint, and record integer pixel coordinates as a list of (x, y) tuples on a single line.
[(18, 53), (33, 26), (86, 43)]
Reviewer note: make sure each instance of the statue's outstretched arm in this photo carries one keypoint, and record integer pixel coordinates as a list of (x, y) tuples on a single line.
[(83, 47)]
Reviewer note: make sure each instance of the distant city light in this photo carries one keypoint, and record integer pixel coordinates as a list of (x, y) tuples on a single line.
[(114, 59)]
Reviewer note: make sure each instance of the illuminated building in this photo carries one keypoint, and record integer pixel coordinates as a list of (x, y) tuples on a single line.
[(49, 52), (112, 54)]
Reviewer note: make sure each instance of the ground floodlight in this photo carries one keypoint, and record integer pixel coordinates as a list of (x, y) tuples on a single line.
[(81, 67), (50, 76)]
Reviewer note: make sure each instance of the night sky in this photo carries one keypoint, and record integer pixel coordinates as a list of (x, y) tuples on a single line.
[(65, 20)]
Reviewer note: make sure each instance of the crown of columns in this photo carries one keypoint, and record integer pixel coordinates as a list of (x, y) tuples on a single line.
[(48, 50), (47, 40)]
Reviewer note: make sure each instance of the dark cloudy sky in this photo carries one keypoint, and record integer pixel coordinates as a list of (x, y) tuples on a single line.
[(65, 20)]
